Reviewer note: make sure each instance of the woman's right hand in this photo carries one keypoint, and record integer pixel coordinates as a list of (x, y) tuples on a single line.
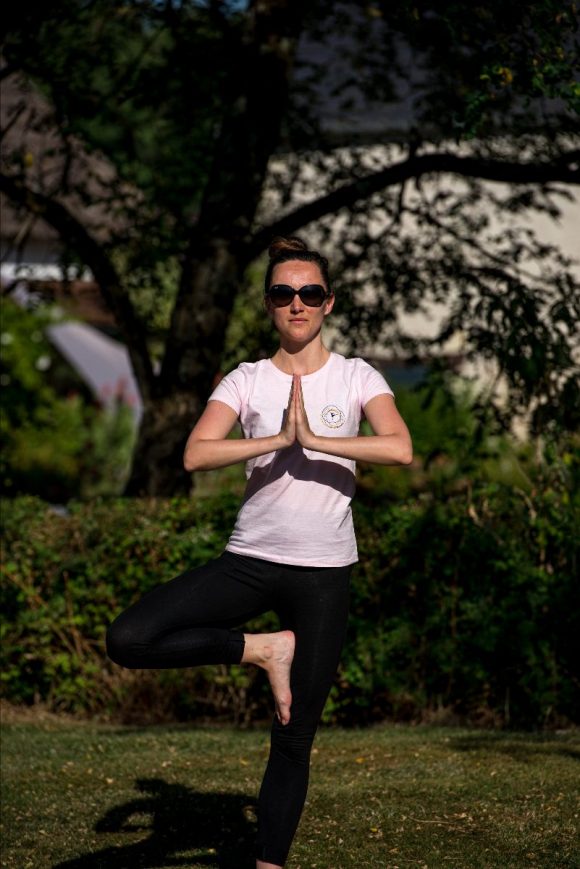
[(288, 431), (209, 447)]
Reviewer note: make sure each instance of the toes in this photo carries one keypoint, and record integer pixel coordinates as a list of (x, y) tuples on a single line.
[(283, 716)]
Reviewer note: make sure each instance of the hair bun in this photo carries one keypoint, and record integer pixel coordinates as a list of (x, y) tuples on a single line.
[(286, 249), (283, 245)]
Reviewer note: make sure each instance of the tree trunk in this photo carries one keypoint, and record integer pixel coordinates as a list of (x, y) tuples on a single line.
[(256, 97), (203, 308), (157, 465)]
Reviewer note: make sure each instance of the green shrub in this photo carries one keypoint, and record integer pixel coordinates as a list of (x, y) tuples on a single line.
[(474, 610), (55, 439), (465, 604)]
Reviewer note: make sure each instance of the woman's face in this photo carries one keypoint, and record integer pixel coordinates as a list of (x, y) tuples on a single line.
[(297, 322)]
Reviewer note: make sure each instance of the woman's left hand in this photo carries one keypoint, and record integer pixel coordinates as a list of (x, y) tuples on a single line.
[(304, 434)]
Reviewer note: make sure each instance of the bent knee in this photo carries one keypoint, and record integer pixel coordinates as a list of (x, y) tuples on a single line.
[(123, 645), (293, 741)]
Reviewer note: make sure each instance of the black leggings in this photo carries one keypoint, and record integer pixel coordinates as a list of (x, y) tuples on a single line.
[(191, 620)]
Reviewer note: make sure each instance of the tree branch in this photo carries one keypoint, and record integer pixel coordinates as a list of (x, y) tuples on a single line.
[(7, 70), (92, 254), (20, 109), (509, 172)]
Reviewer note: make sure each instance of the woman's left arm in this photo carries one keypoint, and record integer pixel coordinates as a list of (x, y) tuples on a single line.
[(389, 445)]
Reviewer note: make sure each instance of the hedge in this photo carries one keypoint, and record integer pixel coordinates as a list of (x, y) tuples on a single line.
[(464, 608)]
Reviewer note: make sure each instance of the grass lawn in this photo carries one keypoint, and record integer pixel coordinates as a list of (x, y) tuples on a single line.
[(83, 796)]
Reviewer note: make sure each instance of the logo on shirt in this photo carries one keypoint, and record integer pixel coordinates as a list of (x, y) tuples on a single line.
[(332, 416)]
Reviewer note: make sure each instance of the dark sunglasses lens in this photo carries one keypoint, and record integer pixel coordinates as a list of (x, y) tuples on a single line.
[(280, 295), (313, 295)]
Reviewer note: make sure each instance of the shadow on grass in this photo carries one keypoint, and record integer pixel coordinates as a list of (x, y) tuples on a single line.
[(185, 828), (523, 747)]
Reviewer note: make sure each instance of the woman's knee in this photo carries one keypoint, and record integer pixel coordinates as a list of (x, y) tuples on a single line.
[(124, 643), (293, 741)]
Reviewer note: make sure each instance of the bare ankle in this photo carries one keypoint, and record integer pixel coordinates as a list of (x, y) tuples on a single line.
[(262, 649), (248, 653), (255, 650)]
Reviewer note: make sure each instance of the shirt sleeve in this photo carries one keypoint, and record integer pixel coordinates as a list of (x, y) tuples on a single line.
[(230, 390), (372, 383)]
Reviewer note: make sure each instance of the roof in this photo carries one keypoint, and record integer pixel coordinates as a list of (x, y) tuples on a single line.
[(52, 163)]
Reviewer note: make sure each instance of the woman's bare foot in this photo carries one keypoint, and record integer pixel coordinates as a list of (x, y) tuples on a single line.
[(274, 653)]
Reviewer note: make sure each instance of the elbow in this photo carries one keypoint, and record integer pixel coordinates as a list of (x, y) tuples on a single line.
[(406, 457), (189, 460)]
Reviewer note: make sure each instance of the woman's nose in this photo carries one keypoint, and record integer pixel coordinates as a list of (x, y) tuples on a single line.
[(296, 304)]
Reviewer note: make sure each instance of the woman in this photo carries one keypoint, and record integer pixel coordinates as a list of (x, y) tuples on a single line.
[(293, 545)]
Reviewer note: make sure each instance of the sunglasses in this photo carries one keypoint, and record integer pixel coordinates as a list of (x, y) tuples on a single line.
[(312, 295)]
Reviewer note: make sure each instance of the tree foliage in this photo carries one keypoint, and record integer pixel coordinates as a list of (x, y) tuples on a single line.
[(413, 141)]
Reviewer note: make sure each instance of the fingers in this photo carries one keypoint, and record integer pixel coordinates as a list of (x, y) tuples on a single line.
[(297, 387), (291, 397), (293, 393), (300, 408), (291, 406), (301, 398), (297, 400), (292, 401), (288, 429)]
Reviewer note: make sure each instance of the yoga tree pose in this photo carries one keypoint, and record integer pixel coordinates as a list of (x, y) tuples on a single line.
[(293, 545)]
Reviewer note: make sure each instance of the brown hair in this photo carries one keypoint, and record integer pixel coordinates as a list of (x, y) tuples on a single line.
[(283, 250)]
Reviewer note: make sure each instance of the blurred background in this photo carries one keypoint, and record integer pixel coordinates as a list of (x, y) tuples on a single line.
[(151, 151)]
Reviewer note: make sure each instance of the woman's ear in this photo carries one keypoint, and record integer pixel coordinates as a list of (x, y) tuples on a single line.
[(329, 305)]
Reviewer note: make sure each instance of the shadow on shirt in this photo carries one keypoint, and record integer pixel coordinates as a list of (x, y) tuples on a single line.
[(294, 462)]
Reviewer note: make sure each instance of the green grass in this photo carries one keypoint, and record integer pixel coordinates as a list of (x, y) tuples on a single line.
[(87, 795)]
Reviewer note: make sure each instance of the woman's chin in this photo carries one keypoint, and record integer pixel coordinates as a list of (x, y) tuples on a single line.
[(300, 331)]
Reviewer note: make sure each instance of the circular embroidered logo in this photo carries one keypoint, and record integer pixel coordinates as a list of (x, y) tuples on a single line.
[(332, 416)]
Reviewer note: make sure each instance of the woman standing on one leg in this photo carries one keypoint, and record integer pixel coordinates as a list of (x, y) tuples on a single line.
[(293, 544)]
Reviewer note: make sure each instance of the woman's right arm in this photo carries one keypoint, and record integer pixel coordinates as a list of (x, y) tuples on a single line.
[(207, 446)]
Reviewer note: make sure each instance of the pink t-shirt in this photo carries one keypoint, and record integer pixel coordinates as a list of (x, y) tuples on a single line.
[(296, 507)]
